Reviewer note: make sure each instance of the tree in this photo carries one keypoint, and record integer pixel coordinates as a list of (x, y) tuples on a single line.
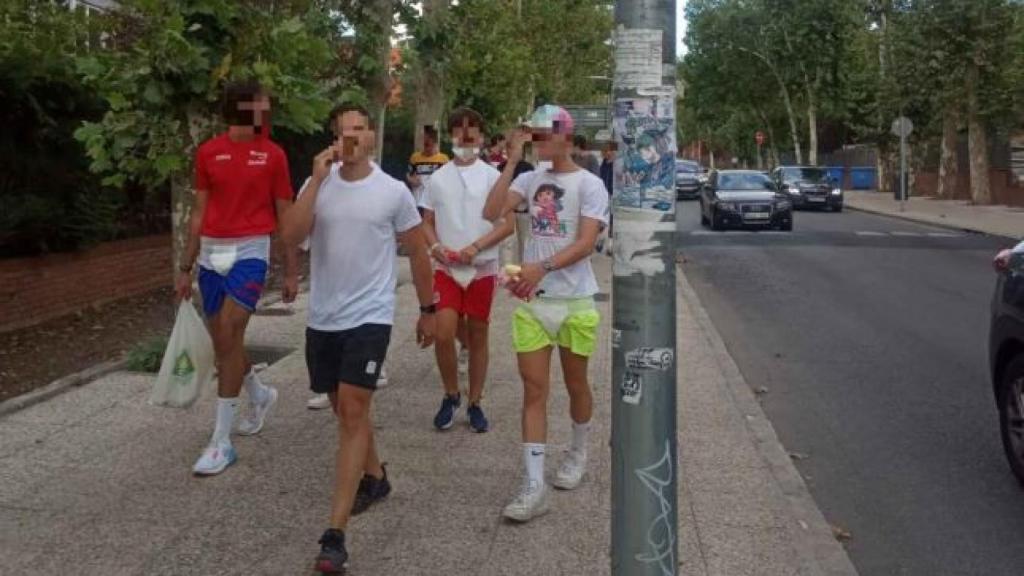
[(163, 73)]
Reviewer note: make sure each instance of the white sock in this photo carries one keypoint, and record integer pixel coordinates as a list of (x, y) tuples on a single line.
[(256, 390), (533, 457), (580, 433), (226, 410)]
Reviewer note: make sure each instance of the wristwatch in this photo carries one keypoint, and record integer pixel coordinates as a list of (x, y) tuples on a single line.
[(549, 265), (432, 309)]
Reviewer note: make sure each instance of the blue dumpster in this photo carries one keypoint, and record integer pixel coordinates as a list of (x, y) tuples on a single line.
[(836, 174), (863, 177)]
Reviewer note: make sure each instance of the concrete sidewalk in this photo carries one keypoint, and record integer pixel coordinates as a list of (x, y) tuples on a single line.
[(97, 482), (1003, 221)]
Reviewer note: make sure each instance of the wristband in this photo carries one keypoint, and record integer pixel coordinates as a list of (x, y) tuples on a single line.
[(434, 246), (186, 268), (477, 247), (431, 309), (549, 265)]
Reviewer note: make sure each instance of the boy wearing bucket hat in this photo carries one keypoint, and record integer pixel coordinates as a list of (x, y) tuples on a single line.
[(568, 207)]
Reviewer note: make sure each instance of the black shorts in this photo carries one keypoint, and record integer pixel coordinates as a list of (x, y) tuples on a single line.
[(353, 357)]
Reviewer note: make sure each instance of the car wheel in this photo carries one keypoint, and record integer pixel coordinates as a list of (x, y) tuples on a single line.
[(837, 208), (1011, 415), (787, 226)]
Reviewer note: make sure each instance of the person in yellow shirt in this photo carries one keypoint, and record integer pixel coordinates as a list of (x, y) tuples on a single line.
[(423, 163)]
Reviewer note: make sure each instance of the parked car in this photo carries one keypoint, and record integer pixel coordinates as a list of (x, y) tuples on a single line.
[(1006, 354), (809, 187), (743, 198), (688, 180)]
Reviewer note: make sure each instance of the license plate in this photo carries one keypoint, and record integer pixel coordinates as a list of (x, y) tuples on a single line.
[(757, 216), (815, 199)]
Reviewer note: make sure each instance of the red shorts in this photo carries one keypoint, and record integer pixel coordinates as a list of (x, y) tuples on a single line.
[(473, 301)]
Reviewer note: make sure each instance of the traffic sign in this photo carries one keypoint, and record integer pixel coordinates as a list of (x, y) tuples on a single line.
[(902, 127)]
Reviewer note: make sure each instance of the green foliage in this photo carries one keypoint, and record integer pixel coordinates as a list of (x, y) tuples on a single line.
[(163, 78), (498, 57), (41, 103), (867, 61), (146, 356)]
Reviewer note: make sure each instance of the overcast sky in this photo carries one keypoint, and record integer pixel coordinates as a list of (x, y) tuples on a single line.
[(680, 27)]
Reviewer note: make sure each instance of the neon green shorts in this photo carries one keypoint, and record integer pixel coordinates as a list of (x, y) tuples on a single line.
[(577, 331)]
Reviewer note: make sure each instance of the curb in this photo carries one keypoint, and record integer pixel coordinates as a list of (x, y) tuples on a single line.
[(61, 385), (819, 551), (938, 222)]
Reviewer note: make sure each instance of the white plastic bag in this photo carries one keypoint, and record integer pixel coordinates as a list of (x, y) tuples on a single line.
[(188, 363)]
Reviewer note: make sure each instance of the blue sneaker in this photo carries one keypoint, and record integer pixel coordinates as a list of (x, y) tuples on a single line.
[(446, 415), (477, 420), (333, 557)]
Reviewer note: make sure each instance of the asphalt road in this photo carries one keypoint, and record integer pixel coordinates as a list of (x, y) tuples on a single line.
[(869, 334)]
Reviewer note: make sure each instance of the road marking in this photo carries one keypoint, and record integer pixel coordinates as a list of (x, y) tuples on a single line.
[(869, 233), (701, 233), (907, 234), (944, 235)]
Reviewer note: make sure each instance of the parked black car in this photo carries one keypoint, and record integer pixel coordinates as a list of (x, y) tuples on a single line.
[(687, 180), (743, 198), (1006, 354), (809, 187)]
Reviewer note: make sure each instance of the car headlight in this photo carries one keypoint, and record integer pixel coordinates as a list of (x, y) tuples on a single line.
[(837, 191), (730, 206), (792, 189)]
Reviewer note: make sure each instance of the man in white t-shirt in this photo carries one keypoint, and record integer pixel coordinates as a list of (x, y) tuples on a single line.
[(353, 215), (465, 246), (568, 206)]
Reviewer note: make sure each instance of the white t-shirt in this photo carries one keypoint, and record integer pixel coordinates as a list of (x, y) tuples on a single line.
[(557, 203), (353, 248), (457, 194)]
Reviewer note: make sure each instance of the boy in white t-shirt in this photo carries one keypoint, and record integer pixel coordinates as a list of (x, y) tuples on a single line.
[(353, 216), (568, 207), (465, 246)]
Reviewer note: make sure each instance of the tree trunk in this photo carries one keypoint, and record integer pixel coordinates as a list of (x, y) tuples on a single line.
[(200, 127), (812, 125), (791, 112), (378, 86), (977, 141), (948, 165), (429, 81)]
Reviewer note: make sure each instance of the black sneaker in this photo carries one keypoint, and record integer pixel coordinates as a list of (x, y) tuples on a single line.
[(371, 490), (446, 414), (477, 420), (333, 557)]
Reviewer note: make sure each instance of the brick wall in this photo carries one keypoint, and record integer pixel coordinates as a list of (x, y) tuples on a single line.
[(36, 289)]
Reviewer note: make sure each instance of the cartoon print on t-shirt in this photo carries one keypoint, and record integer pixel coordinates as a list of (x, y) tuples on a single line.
[(547, 203)]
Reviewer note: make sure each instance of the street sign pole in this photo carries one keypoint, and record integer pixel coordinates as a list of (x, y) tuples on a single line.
[(903, 127), (644, 444)]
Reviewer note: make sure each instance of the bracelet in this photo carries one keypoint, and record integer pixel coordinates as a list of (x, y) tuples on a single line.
[(186, 268), (477, 246), (549, 265), (431, 309), (434, 246)]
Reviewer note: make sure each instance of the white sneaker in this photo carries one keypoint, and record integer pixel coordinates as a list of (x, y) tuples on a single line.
[(382, 380), (571, 471), (531, 502), (214, 460), (319, 402), (257, 413), (464, 361)]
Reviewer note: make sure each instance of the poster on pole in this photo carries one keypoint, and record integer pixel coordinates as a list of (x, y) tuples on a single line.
[(645, 171), (637, 58)]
